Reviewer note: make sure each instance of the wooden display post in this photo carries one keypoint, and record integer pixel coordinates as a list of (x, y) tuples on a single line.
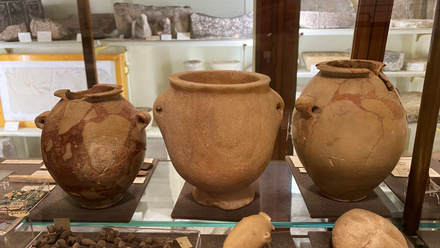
[(88, 45)]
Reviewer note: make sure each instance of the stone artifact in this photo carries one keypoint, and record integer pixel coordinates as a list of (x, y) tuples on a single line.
[(219, 128), (93, 143), (14, 12), (126, 13), (140, 29), (349, 128), (103, 24), (251, 232), (362, 228), (403, 9), (59, 32), (412, 23), (327, 14), (162, 26), (411, 104), (11, 32), (393, 61), (313, 58), (205, 26)]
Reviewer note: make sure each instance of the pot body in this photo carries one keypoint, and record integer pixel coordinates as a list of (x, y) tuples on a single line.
[(219, 128), (93, 143), (349, 128)]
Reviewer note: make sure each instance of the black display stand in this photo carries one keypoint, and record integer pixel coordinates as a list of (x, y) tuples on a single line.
[(279, 240), (430, 238), (324, 240), (320, 206), (187, 208), (431, 206), (59, 205)]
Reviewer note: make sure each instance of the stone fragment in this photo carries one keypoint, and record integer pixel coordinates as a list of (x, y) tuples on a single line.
[(411, 104), (140, 29), (59, 32), (14, 12), (327, 6), (11, 32), (7, 148), (393, 61), (126, 13), (403, 9), (205, 26), (317, 19), (362, 228), (412, 23), (162, 26)]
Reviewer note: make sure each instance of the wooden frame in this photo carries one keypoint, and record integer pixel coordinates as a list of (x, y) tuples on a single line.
[(119, 76)]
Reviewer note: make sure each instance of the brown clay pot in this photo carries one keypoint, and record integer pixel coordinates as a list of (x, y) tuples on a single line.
[(219, 128), (93, 144), (349, 128)]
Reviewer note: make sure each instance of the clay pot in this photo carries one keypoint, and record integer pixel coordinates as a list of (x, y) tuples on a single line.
[(251, 232), (93, 144), (349, 128), (219, 128)]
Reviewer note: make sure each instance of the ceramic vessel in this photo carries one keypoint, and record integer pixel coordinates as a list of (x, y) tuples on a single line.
[(251, 232), (93, 143), (219, 128), (193, 65), (349, 128)]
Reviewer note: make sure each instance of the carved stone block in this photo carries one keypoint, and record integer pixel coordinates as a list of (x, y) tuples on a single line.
[(15, 12), (59, 32), (393, 61), (126, 13), (103, 24), (317, 19), (204, 26)]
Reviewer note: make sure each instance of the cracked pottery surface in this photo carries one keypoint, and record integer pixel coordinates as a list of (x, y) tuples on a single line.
[(253, 231), (219, 128), (349, 128), (362, 228), (93, 144)]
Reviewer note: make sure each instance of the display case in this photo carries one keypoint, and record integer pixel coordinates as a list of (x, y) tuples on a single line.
[(285, 194)]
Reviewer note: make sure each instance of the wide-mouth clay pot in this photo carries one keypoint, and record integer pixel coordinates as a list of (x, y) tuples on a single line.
[(93, 143), (349, 128), (219, 128)]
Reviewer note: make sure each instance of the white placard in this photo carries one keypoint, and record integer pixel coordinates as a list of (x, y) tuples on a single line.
[(313, 68), (166, 37), (36, 187), (403, 167), (11, 125), (183, 35), (148, 160), (44, 36), (22, 161), (24, 37), (43, 167), (78, 37), (41, 173), (154, 37), (302, 170), (139, 180), (296, 162)]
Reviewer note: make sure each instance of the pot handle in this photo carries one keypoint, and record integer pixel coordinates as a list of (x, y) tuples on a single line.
[(41, 119), (142, 119), (279, 101)]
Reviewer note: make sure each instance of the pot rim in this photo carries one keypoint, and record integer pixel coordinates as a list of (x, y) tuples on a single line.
[(97, 91), (350, 68), (178, 80)]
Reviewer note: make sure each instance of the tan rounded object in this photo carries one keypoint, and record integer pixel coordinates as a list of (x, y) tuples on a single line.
[(219, 128), (362, 228), (349, 128), (251, 232), (93, 143)]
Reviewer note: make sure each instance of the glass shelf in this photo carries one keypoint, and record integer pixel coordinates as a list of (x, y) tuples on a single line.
[(392, 31)]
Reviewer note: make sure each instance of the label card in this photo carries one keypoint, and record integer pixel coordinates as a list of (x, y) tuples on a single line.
[(183, 35), (44, 36), (24, 37), (166, 37), (11, 125), (36, 187), (302, 170), (41, 173), (154, 37), (296, 162), (148, 160), (22, 161), (403, 168), (139, 180), (78, 37)]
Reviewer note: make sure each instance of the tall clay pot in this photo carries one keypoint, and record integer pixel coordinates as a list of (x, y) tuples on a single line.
[(219, 128), (93, 144), (349, 128)]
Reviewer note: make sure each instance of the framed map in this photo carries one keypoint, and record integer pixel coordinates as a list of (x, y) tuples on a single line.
[(28, 81)]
